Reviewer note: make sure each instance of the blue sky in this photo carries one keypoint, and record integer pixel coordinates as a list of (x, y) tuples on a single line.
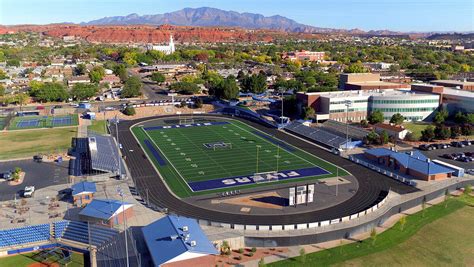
[(404, 15)]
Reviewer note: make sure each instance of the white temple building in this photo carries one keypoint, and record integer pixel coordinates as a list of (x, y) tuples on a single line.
[(166, 49)]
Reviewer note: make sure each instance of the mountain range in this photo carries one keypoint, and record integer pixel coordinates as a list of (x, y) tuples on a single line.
[(211, 17)]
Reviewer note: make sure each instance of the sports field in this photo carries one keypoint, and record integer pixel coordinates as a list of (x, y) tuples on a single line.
[(34, 260), (31, 122), (222, 156)]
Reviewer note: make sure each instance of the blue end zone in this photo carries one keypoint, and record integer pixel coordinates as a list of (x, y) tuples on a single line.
[(252, 179), (185, 125), (155, 152), (272, 140)]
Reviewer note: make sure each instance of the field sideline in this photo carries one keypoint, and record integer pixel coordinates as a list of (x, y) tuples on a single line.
[(187, 160)]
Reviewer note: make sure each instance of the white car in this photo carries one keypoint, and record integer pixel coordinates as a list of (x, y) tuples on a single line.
[(29, 191)]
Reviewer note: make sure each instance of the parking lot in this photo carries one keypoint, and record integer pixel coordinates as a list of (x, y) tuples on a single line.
[(39, 175), (438, 154)]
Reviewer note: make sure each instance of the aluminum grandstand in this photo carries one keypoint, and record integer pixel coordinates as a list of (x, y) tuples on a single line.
[(95, 155), (318, 135), (339, 128)]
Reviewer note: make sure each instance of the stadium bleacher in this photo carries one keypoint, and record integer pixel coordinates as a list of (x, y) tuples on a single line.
[(80, 232), (339, 128), (318, 135), (24, 235)]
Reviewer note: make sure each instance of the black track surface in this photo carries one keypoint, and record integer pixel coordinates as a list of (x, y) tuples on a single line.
[(372, 186)]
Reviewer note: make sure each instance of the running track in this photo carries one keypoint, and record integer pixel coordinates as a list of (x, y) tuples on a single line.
[(372, 186)]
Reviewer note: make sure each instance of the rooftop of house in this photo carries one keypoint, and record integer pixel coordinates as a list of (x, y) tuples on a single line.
[(83, 188), (104, 208)]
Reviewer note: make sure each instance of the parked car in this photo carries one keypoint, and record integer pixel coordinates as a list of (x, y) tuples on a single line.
[(470, 154), (466, 143), (440, 146), (7, 175), (447, 156), (38, 158), (29, 191), (457, 144), (425, 147)]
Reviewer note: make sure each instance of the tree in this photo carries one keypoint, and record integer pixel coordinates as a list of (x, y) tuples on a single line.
[(428, 134), (21, 99), (96, 74), (442, 132), (227, 89), (355, 68), (81, 69), (2, 90), (256, 83), (303, 255), (402, 221), (129, 111), (13, 63), (372, 138), (198, 103), (440, 116), (121, 71), (49, 92), (397, 119), (308, 113), (83, 91), (373, 235), (3, 75), (132, 87), (261, 263), (364, 123), (384, 137), (410, 137), (375, 117), (158, 77), (185, 88)]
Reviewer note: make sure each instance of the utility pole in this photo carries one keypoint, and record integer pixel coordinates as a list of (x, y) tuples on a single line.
[(118, 149), (120, 191)]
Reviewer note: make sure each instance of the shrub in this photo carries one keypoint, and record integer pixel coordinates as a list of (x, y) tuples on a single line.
[(129, 111), (241, 250), (251, 254), (254, 249)]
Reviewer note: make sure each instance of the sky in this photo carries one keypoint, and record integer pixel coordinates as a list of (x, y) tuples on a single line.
[(400, 15)]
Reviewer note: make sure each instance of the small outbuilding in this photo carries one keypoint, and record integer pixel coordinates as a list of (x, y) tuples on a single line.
[(109, 212), (83, 193)]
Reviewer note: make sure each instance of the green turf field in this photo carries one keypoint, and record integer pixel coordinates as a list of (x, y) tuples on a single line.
[(188, 160), (44, 122), (27, 259), (98, 126)]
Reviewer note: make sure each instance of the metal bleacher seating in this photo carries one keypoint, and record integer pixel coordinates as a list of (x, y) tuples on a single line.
[(318, 135), (24, 235), (340, 129), (79, 232)]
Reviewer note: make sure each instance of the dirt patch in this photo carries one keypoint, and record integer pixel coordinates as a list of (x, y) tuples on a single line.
[(236, 258), (143, 112), (39, 264)]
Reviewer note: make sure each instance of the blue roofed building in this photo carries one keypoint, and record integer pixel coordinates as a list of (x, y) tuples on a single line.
[(107, 212), (83, 193), (413, 163), (178, 241)]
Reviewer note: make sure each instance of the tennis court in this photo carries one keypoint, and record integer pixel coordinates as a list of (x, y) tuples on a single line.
[(222, 155), (32, 122)]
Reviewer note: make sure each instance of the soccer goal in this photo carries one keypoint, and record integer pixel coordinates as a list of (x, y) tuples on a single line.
[(265, 177)]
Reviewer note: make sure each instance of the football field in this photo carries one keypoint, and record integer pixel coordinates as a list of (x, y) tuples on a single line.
[(219, 156)]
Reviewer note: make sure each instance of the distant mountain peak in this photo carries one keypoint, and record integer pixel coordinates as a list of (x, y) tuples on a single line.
[(212, 17)]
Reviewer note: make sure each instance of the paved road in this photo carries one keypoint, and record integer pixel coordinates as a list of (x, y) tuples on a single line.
[(372, 186)]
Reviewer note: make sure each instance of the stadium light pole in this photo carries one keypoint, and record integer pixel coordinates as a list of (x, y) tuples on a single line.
[(348, 103), (278, 157), (120, 192), (258, 148)]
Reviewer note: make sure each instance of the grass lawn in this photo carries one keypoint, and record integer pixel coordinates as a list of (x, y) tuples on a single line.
[(17, 144), (2, 123), (416, 127), (97, 126), (24, 260), (439, 236), (187, 160)]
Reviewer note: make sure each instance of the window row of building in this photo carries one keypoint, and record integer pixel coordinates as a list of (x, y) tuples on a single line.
[(401, 110), (405, 101)]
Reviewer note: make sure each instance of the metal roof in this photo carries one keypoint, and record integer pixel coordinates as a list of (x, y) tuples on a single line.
[(104, 208), (167, 238), (83, 187), (414, 160), (104, 154)]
